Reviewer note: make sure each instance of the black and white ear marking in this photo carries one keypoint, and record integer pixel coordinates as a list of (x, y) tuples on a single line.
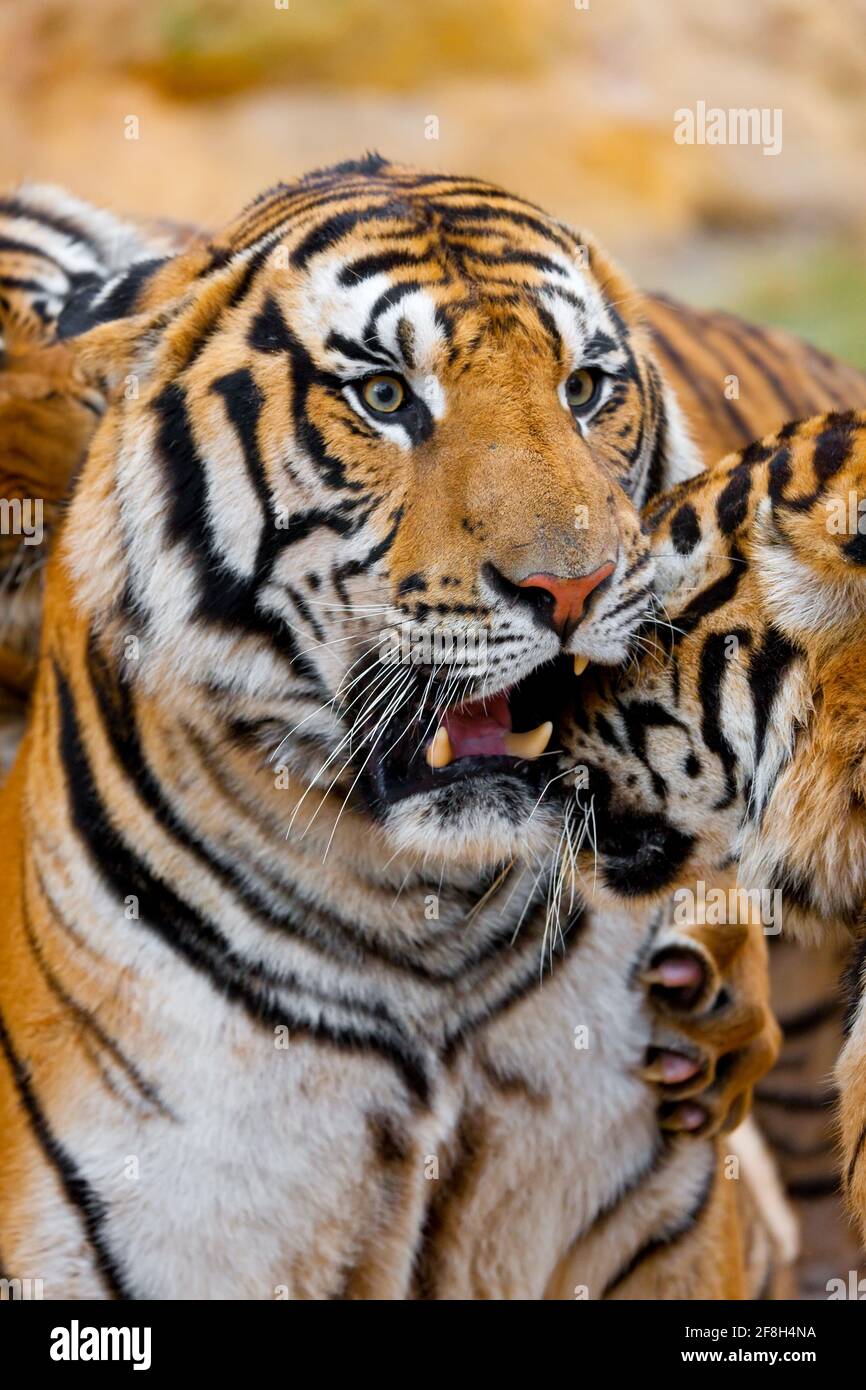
[(99, 301)]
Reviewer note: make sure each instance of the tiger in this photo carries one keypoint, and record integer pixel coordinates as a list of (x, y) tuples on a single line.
[(269, 982), (738, 736), (52, 246), (767, 377)]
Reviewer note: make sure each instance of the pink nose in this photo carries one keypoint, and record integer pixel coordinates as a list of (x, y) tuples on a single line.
[(569, 595)]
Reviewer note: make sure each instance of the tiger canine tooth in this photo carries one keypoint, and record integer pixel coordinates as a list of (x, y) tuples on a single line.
[(580, 664), (530, 744), (440, 752)]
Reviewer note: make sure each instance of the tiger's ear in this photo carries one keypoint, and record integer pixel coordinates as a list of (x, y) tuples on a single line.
[(114, 326)]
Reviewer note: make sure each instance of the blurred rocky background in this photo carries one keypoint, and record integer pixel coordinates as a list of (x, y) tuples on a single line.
[(570, 102)]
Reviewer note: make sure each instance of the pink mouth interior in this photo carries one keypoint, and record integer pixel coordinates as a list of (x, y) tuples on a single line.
[(478, 729)]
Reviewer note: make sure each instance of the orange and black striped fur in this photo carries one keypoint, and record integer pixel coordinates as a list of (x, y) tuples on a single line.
[(52, 246), (739, 736), (269, 982)]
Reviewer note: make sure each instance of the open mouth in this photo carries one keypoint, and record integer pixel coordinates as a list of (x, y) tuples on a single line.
[(511, 734)]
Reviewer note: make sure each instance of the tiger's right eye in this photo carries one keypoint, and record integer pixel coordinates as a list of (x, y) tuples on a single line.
[(582, 388), (384, 393)]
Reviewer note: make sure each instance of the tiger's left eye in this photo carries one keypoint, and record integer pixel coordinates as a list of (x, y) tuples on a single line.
[(582, 388), (384, 394)]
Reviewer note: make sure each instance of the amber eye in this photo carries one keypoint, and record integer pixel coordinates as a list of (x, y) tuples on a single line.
[(384, 394), (582, 388)]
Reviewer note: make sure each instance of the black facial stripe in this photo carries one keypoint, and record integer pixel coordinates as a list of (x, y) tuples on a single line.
[(655, 413), (714, 664), (244, 285), (224, 598), (492, 211), (303, 608), (600, 344), (716, 595), (343, 520), (630, 601), (548, 324), (779, 475), (119, 724), (640, 563), (406, 342), (616, 396), (831, 453), (562, 292), (732, 503), (356, 352), (361, 429), (387, 299), (532, 260), (268, 331), (326, 235), (244, 402), (304, 376), (638, 717), (183, 470), (768, 665), (607, 733), (340, 573), (377, 263), (685, 529), (413, 583), (834, 445)]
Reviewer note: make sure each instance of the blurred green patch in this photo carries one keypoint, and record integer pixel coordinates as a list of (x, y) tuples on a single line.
[(206, 47), (820, 294)]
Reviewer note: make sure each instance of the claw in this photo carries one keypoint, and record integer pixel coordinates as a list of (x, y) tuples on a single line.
[(687, 1116), (671, 1068), (675, 972)]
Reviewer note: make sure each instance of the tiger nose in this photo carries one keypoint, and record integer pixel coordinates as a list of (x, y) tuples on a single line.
[(569, 595)]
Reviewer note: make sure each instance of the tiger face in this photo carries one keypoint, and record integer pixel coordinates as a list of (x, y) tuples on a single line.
[(739, 736), (369, 482)]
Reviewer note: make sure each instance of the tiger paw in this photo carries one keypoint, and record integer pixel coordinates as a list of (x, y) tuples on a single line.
[(713, 1033)]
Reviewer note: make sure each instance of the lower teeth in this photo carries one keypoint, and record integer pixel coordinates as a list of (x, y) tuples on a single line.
[(527, 745)]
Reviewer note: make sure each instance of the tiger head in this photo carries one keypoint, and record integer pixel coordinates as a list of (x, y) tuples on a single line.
[(370, 474), (738, 738)]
